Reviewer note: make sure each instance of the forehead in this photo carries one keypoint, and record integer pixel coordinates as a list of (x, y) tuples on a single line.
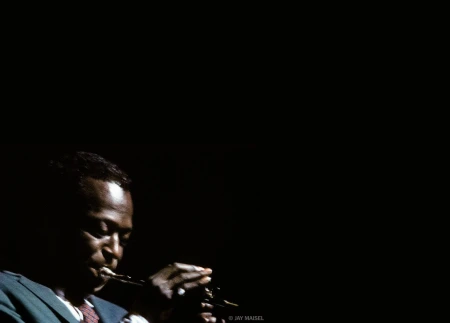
[(108, 201)]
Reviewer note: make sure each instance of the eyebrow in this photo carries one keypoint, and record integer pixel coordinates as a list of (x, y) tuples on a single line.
[(113, 224)]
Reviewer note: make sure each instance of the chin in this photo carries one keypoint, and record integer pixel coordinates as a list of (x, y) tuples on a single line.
[(92, 281), (98, 288), (93, 286)]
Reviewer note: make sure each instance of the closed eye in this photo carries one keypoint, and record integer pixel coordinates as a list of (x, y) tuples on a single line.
[(97, 229), (124, 240)]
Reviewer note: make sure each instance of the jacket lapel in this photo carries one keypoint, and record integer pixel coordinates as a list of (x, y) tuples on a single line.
[(49, 298), (99, 309), (106, 311)]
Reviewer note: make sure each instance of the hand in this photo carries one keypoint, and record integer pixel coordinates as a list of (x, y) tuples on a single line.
[(161, 299)]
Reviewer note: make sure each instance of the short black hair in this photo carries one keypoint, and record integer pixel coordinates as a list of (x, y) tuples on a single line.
[(65, 197), (77, 166)]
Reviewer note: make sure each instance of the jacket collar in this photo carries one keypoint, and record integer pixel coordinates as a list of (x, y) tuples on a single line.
[(49, 298)]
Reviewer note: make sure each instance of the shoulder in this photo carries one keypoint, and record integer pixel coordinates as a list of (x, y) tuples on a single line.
[(7, 278), (6, 273), (8, 287)]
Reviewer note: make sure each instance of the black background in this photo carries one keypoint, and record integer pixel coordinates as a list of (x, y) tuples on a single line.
[(205, 204)]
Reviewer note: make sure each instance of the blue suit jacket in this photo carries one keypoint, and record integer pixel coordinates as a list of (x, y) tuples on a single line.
[(24, 301)]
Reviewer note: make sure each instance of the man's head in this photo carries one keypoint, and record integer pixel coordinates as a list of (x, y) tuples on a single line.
[(88, 218)]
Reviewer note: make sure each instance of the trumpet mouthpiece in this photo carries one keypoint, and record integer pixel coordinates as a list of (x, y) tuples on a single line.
[(106, 271)]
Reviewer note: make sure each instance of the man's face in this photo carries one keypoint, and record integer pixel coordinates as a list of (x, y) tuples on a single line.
[(105, 230)]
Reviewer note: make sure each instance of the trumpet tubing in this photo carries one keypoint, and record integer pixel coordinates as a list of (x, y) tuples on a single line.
[(210, 294)]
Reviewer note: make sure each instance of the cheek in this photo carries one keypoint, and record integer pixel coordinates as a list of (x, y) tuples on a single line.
[(90, 245)]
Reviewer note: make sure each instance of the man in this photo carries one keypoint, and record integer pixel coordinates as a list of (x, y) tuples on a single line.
[(85, 227)]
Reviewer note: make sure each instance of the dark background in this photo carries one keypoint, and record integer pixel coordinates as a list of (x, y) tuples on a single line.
[(205, 204)]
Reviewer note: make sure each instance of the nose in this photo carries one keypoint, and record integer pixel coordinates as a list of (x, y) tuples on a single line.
[(113, 249)]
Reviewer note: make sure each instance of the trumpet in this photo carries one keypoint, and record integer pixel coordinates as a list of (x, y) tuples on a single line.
[(106, 272), (211, 293)]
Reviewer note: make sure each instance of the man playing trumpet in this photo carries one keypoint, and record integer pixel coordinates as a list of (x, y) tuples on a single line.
[(86, 227)]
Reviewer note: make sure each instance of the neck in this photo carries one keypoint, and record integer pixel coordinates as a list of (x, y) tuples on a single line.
[(76, 298)]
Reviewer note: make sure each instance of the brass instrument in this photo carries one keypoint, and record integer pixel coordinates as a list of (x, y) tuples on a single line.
[(211, 294), (106, 272)]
